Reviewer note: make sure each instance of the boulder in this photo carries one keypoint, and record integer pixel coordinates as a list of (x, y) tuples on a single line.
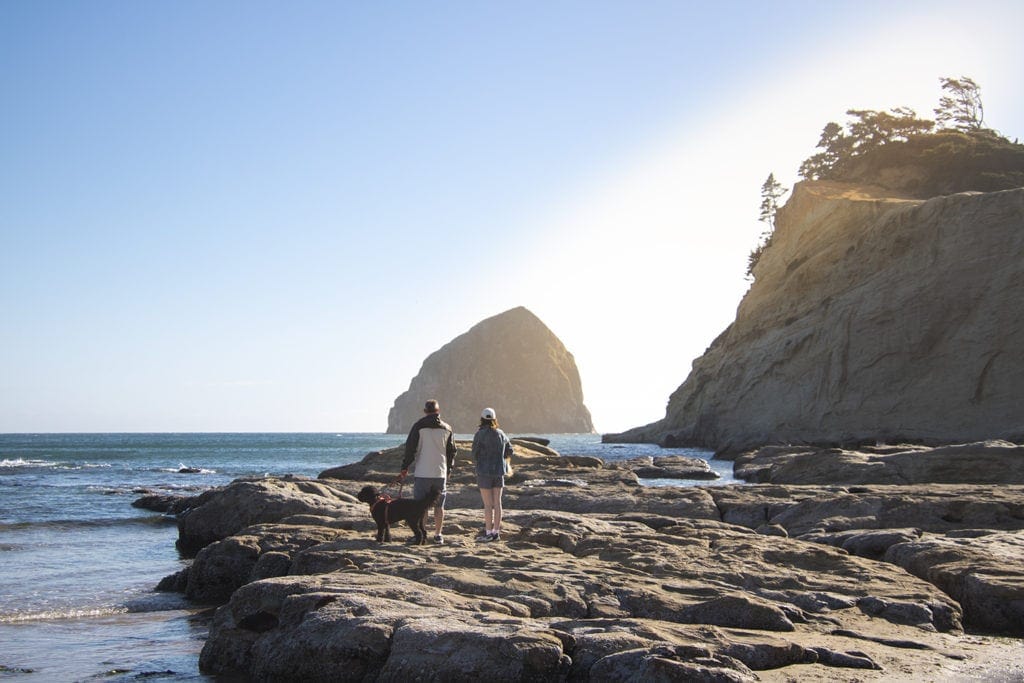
[(254, 553), (251, 501), (344, 627), (676, 467)]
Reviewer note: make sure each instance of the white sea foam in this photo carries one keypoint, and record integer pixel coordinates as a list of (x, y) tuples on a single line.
[(21, 462), (50, 615), (75, 466)]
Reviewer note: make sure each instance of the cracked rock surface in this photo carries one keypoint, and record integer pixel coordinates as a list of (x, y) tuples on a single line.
[(602, 579)]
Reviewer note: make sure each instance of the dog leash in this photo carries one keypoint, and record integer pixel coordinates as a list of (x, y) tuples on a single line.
[(386, 498), (384, 489)]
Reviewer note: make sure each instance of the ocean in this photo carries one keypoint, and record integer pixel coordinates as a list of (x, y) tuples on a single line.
[(78, 564)]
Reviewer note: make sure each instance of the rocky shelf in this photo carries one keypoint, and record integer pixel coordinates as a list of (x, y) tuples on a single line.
[(599, 578)]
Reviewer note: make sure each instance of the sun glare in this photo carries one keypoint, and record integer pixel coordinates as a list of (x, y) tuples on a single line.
[(656, 244)]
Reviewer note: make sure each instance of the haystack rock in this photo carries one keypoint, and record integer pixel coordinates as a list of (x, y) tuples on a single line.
[(873, 317), (512, 363)]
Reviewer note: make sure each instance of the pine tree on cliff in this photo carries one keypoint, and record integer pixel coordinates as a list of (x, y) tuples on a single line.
[(771, 193), (959, 155), (961, 109), (867, 131)]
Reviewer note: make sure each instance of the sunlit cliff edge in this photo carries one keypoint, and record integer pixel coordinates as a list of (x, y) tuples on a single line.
[(872, 317)]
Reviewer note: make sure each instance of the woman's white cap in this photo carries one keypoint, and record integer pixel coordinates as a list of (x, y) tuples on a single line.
[(488, 414)]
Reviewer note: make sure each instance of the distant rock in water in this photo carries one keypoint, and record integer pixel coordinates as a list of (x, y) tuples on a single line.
[(511, 362), (872, 317)]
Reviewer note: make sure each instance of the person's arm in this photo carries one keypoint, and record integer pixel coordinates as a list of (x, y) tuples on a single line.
[(451, 450), (411, 444)]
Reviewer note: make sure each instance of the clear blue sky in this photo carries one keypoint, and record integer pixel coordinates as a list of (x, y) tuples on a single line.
[(255, 216)]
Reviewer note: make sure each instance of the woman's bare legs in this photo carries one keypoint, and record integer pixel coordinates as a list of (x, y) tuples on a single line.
[(496, 504), (488, 497)]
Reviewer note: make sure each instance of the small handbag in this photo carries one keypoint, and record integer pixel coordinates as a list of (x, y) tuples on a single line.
[(508, 460)]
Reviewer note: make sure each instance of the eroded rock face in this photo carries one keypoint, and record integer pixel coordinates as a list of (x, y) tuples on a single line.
[(511, 362), (871, 318)]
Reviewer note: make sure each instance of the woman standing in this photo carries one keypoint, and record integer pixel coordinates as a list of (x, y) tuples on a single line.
[(490, 448)]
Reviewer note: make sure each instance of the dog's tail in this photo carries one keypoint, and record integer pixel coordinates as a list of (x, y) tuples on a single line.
[(432, 495)]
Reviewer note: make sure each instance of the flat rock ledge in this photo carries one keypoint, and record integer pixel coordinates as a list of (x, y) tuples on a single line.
[(599, 578), (983, 462)]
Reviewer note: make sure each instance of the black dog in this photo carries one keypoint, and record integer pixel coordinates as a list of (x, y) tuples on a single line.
[(387, 512)]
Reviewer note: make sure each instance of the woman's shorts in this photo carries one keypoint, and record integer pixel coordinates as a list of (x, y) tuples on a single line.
[(488, 482)]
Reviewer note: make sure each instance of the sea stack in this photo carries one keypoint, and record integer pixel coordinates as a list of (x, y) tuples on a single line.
[(511, 362)]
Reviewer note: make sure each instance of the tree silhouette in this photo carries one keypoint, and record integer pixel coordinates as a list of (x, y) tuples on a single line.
[(961, 108), (866, 131), (771, 193)]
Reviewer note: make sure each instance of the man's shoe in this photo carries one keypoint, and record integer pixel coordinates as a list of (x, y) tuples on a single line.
[(484, 536), (494, 537), (439, 539)]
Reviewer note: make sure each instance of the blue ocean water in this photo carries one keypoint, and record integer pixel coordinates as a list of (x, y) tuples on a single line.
[(78, 563)]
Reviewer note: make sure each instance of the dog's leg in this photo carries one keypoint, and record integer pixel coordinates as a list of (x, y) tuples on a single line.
[(423, 524)]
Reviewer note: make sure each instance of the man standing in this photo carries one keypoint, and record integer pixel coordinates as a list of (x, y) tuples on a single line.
[(431, 443)]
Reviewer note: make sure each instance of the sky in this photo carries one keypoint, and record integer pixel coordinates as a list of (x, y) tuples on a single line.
[(260, 216)]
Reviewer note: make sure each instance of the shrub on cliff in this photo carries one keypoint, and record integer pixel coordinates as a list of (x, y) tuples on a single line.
[(899, 151), (924, 164), (867, 132), (940, 163)]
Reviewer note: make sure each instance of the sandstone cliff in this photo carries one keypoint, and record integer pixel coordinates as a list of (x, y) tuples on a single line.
[(872, 317), (511, 362)]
